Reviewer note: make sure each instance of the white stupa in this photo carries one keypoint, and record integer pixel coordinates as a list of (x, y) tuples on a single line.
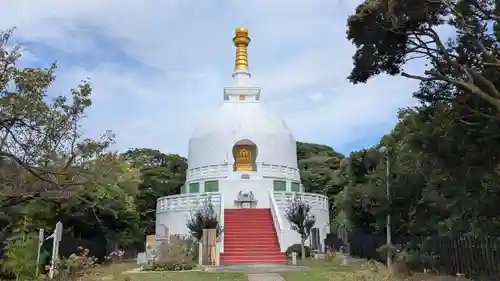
[(242, 156)]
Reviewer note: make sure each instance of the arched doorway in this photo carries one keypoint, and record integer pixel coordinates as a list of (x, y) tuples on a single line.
[(244, 154)]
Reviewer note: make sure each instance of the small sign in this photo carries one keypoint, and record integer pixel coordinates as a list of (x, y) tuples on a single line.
[(41, 236), (245, 176), (58, 231)]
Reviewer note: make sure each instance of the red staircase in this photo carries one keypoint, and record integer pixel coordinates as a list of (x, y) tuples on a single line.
[(250, 237)]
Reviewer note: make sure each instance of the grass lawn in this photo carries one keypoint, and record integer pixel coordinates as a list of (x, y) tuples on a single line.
[(187, 276), (111, 269), (322, 270), (115, 273), (356, 270)]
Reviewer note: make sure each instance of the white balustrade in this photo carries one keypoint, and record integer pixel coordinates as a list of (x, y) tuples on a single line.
[(223, 170), (183, 202), (278, 223), (317, 201), (211, 171), (278, 171)]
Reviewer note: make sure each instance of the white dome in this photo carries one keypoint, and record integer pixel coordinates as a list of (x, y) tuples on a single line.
[(213, 139)]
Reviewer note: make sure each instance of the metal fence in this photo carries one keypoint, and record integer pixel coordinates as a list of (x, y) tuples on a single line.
[(477, 258)]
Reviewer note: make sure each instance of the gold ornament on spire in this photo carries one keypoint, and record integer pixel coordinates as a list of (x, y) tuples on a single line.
[(241, 41)]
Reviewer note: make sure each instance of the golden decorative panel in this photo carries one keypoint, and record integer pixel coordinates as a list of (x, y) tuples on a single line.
[(244, 158)]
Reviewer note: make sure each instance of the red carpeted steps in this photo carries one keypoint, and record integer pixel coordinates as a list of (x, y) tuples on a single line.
[(250, 237)]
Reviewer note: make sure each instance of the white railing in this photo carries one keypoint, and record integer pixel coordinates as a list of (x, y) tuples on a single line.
[(211, 171), (221, 221), (223, 170), (317, 201), (186, 202), (278, 170), (278, 224)]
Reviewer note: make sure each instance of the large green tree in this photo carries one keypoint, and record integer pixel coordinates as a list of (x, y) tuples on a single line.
[(162, 175), (439, 184), (444, 151), (453, 37), (42, 149)]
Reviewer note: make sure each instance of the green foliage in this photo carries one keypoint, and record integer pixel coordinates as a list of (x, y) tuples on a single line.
[(297, 248), (388, 34), (161, 174), (443, 177), (51, 172), (75, 267), (319, 165), (415, 260), (341, 222), (203, 217), (21, 251), (42, 152), (170, 266), (301, 220)]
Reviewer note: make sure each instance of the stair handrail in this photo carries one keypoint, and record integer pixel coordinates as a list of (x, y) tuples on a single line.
[(278, 224), (221, 222)]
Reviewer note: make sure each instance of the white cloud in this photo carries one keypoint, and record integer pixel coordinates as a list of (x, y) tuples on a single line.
[(177, 55), (317, 97)]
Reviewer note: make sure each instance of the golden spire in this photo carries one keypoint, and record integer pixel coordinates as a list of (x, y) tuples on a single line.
[(241, 41)]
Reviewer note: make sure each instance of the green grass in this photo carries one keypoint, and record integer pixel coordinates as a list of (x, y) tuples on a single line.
[(115, 272), (322, 270), (111, 269), (187, 276)]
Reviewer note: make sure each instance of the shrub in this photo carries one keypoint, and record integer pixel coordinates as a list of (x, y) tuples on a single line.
[(204, 217), (75, 267), (415, 259), (170, 266), (21, 251), (297, 249), (301, 220)]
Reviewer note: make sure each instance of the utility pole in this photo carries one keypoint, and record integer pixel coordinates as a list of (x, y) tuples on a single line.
[(346, 248), (384, 150)]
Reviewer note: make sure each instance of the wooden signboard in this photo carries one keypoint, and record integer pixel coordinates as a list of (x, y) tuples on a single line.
[(209, 243), (150, 242)]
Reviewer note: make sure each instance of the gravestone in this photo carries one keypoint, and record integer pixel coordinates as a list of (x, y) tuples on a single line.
[(315, 239)]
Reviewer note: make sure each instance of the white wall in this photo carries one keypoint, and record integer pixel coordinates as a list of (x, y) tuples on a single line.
[(175, 209), (172, 211), (259, 188), (291, 237), (213, 140)]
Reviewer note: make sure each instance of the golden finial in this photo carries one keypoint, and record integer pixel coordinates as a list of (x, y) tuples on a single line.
[(241, 41)]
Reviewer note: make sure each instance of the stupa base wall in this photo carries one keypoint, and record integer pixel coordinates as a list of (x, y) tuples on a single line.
[(175, 210)]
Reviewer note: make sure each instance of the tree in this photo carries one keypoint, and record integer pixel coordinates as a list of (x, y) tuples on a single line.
[(203, 217), (390, 33), (42, 150), (162, 175), (21, 250), (443, 177), (301, 220), (115, 218)]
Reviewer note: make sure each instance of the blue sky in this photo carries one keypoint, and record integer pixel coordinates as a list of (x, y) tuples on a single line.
[(157, 67)]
